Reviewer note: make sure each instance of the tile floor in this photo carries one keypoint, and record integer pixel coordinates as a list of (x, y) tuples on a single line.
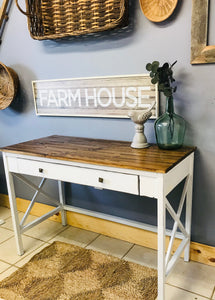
[(188, 281)]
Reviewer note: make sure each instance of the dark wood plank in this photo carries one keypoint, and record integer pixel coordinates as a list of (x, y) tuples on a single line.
[(102, 152)]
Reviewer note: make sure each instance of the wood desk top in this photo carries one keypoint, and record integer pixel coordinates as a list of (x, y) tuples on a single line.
[(117, 154)]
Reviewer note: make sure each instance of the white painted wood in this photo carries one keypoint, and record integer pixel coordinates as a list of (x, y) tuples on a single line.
[(176, 256), (96, 178), (176, 175), (33, 186), (112, 96), (119, 220), (12, 164), (175, 226), (41, 219), (151, 184), (13, 207), (32, 202), (62, 201), (175, 217), (77, 164), (188, 217), (111, 218), (161, 221)]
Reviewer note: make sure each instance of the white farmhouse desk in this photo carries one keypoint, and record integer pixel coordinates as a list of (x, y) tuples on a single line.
[(110, 165)]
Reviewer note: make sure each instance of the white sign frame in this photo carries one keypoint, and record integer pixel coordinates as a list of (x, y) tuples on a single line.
[(106, 96)]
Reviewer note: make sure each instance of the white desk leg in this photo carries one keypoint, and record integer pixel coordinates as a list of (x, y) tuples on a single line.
[(13, 208), (189, 208), (62, 201), (161, 216)]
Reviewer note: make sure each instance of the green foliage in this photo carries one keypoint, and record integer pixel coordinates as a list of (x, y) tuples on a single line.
[(163, 76)]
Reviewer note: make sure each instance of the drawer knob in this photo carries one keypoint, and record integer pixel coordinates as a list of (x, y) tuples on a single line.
[(101, 180), (40, 170)]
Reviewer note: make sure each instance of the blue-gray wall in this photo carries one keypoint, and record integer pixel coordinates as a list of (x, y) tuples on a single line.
[(123, 52)]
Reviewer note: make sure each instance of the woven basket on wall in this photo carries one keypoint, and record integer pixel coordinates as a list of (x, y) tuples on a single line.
[(158, 10), (53, 19), (8, 85)]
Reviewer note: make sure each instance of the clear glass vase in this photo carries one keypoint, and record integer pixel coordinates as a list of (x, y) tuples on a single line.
[(170, 128)]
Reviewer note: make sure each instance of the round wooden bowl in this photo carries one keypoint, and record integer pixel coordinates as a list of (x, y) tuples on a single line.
[(158, 10), (8, 85)]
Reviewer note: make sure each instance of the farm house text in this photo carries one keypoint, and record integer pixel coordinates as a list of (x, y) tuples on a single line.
[(131, 97)]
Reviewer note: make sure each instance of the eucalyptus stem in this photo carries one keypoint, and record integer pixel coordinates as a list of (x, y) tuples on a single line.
[(163, 76)]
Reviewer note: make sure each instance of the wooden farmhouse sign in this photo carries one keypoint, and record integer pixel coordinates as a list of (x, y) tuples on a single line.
[(110, 97)]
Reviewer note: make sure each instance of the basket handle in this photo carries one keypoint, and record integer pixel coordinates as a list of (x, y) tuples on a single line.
[(22, 11)]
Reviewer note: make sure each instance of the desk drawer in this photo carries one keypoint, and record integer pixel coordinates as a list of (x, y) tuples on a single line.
[(80, 175)]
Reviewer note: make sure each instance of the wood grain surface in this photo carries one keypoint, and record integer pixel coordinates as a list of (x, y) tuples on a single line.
[(201, 52), (109, 96), (3, 9), (117, 154)]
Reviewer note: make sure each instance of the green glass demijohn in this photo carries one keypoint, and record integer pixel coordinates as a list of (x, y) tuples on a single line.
[(170, 128)]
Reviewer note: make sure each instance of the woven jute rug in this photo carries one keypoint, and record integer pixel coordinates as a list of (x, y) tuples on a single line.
[(66, 272)]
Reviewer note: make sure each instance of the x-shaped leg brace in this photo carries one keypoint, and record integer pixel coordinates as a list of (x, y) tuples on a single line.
[(171, 260), (20, 227)]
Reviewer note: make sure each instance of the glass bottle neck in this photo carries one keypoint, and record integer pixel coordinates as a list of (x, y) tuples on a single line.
[(169, 105)]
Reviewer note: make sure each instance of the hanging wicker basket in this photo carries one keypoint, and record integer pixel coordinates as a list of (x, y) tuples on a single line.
[(158, 10), (53, 19), (8, 85)]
